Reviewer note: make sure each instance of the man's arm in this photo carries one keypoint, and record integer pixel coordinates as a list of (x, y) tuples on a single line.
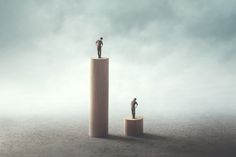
[(96, 42)]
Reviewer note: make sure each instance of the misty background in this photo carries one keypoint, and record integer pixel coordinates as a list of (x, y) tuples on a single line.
[(177, 57)]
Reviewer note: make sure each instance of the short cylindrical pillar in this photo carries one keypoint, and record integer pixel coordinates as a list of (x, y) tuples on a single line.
[(98, 121), (133, 127)]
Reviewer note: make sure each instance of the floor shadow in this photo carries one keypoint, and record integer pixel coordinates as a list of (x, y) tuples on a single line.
[(181, 146), (122, 138), (150, 136), (145, 136)]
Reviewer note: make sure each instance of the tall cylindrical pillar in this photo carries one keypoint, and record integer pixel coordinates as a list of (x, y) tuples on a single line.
[(98, 122)]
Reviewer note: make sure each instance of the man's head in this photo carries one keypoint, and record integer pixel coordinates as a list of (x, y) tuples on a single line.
[(101, 38), (135, 99)]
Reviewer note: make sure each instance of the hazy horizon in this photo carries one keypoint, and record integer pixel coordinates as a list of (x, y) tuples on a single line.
[(176, 57)]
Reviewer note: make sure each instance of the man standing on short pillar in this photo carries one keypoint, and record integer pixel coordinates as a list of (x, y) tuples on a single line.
[(99, 44), (134, 105)]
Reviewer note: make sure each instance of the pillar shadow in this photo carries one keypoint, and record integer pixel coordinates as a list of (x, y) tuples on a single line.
[(150, 136), (121, 138), (144, 137)]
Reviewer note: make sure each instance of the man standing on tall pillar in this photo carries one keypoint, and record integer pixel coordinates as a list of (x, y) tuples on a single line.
[(134, 105), (99, 44)]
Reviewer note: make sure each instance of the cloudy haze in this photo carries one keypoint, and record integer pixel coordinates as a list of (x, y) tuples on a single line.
[(174, 56)]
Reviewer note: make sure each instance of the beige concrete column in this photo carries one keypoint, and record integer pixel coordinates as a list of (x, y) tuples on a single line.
[(133, 127), (98, 121)]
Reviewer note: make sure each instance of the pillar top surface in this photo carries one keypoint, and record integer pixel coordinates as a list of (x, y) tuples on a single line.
[(103, 58), (136, 118)]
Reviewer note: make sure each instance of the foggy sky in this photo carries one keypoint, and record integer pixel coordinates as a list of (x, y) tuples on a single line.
[(171, 55)]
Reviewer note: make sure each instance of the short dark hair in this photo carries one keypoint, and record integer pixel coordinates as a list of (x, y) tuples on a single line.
[(101, 38)]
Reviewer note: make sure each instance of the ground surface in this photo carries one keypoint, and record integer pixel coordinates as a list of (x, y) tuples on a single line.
[(67, 137)]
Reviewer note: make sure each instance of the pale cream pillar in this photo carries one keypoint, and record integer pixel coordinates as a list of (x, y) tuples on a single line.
[(98, 121), (133, 127)]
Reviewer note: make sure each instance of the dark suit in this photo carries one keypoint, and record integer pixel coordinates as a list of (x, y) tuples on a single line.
[(133, 107), (99, 44)]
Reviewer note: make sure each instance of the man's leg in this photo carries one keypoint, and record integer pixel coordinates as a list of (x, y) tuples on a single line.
[(133, 113), (99, 52)]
